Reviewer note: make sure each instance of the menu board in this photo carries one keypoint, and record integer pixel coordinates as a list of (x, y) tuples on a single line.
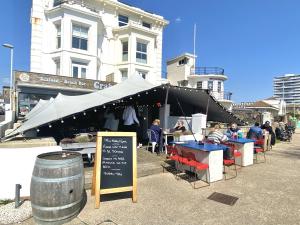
[(116, 162), (115, 166)]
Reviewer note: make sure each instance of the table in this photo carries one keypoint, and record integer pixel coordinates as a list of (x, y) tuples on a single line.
[(166, 135), (210, 154), (245, 146), (83, 148)]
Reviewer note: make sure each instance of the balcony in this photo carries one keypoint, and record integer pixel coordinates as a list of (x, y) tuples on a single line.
[(207, 71), (81, 3), (223, 95)]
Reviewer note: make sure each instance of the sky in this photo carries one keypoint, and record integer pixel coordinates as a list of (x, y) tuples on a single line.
[(252, 40)]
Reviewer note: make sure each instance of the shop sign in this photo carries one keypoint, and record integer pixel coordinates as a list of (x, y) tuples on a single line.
[(59, 81)]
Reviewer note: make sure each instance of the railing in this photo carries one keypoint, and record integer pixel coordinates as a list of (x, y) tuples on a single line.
[(223, 95), (82, 3), (207, 70)]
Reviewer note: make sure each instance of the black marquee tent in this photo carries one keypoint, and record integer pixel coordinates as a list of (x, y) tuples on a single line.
[(128, 92)]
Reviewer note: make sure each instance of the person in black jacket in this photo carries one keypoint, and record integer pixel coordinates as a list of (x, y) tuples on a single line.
[(266, 126)]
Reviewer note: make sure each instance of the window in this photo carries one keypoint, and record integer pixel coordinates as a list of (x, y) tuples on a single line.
[(110, 77), (219, 86), (124, 50), (57, 2), (183, 61), (145, 24), (210, 85), (124, 74), (199, 85), (79, 70), (143, 74), (123, 20), (57, 66), (80, 37), (141, 52), (58, 35), (182, 83)]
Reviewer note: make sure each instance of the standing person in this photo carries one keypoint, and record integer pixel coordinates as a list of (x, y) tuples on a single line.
[(130, 119), (111, 123), (155, 133), (266, 126), (234, 131), (255, 132)]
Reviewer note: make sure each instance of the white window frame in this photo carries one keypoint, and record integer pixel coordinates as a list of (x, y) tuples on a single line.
[(57, 66), (122, 23), (145, 24), (212, 85), (58, 35), (142, 73), (145, 53), (124, 71), (81, 36), (124, 55), (80, 66), (198, 86), (219, 87)]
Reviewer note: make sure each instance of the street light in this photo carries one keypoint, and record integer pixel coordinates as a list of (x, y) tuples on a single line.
[(11, 47)]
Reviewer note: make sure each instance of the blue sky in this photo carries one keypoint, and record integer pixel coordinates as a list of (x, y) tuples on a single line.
[(253, 40)]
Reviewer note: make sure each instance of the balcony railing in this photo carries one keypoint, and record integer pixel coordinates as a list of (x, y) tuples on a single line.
[(223, 95), (207, 71), (82, 3)]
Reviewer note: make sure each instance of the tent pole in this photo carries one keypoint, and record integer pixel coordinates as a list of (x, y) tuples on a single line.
[(164, 125), (207, 105)]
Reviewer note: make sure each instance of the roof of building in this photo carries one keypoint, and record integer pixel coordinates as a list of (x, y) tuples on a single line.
[(138, 10), (177, 58)]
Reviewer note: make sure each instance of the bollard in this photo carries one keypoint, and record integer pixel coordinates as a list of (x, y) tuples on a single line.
[(17, 195)]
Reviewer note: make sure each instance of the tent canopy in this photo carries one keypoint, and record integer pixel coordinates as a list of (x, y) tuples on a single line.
[(128, 92)]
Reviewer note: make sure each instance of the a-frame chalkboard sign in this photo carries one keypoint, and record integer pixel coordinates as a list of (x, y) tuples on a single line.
[(115, 167)]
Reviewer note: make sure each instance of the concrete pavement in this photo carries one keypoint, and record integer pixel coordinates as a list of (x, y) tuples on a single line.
[(268, 194)]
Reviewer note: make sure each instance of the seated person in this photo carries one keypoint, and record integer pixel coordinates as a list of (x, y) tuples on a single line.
[(155, 131), (234, 131), (255, 132), (217, 137), (179, 127)]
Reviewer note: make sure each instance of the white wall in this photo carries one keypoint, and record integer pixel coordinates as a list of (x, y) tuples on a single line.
[(16, 166), (104, 47)]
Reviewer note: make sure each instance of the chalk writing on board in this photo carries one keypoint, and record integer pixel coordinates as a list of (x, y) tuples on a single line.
[(116, 165)]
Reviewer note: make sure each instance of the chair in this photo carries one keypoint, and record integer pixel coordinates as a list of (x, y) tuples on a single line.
[(189, 159), (153, 144), (232, 161), (174, 156), (259, 148)]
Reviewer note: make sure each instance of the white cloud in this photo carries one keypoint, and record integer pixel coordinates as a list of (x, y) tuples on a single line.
[(178, 20)]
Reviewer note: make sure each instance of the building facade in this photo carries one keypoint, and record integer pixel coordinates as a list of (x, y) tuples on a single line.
[(181, 71), (31, 87), (95, 39), (287, 87)]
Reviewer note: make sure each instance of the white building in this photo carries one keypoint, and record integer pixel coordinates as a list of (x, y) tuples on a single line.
[(95, 39), (182, 71), (287, 87)]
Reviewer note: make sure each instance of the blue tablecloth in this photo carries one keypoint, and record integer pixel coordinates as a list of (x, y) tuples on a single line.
[(240, 140), (202, 147)]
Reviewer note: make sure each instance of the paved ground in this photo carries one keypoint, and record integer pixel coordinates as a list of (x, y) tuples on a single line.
[(268, 194)]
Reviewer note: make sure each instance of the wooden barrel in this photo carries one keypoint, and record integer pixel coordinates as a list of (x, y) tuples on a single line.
[(57, 187)]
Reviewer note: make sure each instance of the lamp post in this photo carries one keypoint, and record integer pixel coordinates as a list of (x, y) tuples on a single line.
[(11, 47)]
